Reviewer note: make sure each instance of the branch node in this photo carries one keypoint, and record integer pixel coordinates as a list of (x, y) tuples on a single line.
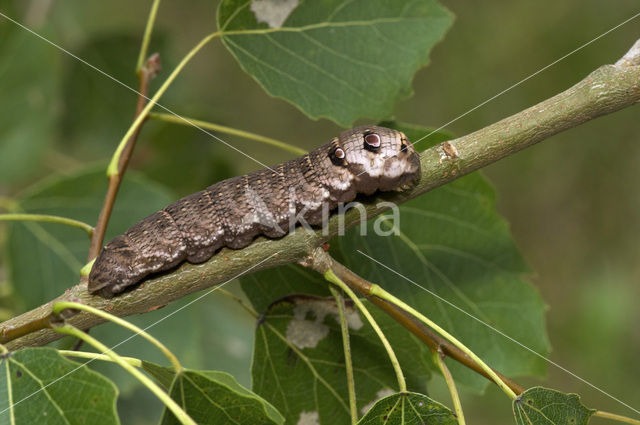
[(631, 58), (152, 66), (449, 151)]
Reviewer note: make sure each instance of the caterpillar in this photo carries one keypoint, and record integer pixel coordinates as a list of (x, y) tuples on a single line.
[(231, 213)]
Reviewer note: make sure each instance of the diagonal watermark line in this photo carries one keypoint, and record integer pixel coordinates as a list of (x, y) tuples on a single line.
[(523, 80), (530, 76), (138, 333), (187, 121), (498, 331)]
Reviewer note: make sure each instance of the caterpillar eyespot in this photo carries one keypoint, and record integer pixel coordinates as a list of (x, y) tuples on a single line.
[(231, 213), (372, 141)]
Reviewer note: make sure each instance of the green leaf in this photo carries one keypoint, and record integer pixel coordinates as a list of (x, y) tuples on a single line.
[(299, 341), (40, 386), (339, 59), (43, 258), (29, 87), (172, 149), (98, 110), (216, 325), (266, 286), (216, 398), (408, 409), (162, 374), (453, 243), (543, 406), (424, 136)]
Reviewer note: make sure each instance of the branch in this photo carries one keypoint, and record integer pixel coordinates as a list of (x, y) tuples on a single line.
[(606, 90), (181, 119), (320, 261), (146, 74), (47, 219)]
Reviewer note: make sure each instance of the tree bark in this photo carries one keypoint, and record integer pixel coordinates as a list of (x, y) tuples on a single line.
[(606, 90)]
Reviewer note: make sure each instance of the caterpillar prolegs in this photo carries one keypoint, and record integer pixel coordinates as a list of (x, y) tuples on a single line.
[(231, 213)]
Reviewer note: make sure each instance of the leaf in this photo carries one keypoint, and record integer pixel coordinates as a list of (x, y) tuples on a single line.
[(408, 409), (424, 136), (543, 406), (173, 149), (29, 87), (162, 374), (46, 258), (339, 59), (98, 110), (40, 386), (212, 397), (216, 325), (298, 361), (453, 243), (264, 287)]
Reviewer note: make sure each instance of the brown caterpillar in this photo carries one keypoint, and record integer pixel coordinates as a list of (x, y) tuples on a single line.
[(233, 212)]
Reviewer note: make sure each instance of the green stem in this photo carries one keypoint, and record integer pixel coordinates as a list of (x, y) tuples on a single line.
[(614, 417), (348, 363), (142, 56), (240, 301), (115, 160), (379, 292), (63, 305), (455, 397), (86, 269), (227, 130), (331, 277), (49, 219), (180, 414), (95, 356)]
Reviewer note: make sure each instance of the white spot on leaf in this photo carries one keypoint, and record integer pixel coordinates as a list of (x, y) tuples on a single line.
[(273, 12), (305, 333), (385, 392), (309, 418)]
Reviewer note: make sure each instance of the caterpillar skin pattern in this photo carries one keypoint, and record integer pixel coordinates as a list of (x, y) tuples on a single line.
[(231, 213)]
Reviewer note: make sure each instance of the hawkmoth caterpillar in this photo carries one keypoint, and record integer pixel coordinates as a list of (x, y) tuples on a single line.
[(231, 213)]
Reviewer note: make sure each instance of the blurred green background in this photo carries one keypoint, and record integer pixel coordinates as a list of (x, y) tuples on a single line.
[(572, 200)]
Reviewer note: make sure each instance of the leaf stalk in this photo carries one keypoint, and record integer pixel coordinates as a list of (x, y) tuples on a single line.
[(180, 414)]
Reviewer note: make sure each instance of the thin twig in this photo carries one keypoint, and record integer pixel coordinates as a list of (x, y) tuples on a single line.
[(48, 219), (380, 292), (331, 277), (438, 358), (146, 74), (59, 307), (227, 130), (146, 38), (116, 159), (95, 356), (322, 262), (249, 309), (348, 362), (614, 417), (606, 90), (182, 416), (431, 339)]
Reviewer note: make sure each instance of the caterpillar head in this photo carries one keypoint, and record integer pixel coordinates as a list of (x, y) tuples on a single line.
[(378, 158)]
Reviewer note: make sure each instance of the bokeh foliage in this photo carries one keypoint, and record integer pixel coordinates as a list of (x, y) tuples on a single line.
[(570, 202)]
